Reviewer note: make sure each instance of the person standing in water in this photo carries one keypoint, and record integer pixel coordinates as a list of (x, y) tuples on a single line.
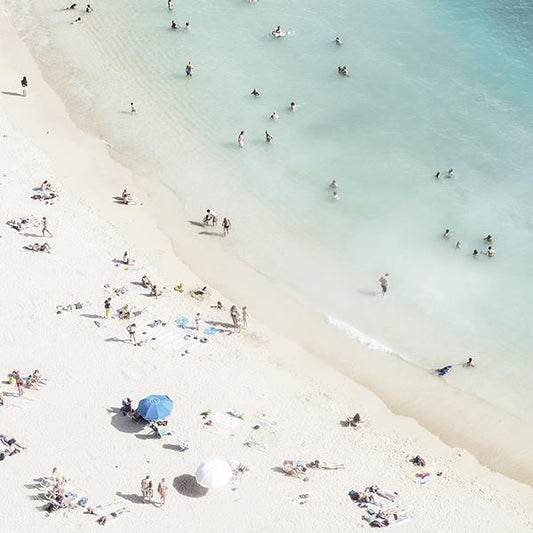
[(338, 41), (169, 4), (437, 175), (447, 234), (384, 283), (240, 139), (24, 84), (333, 184), (292, 106), (268, 137), (188, 69), (451, 173), (470, 363), (335, 195), (255, 93)]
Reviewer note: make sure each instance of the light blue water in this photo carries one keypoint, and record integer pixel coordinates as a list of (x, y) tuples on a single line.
[(433, 85)]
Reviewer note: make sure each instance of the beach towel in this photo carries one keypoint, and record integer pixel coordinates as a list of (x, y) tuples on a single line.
[(222, 424)]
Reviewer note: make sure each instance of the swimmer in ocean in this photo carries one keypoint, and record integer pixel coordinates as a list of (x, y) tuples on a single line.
[(437, 175), (343, 71), (333, 184), (187, 26), (450, 174), (274, 116), (458, 245), (475, 253), (446, 234), (268, 137), (488, 239), (490, 252), (338, 41), (470, 363), (293, 106), (255, 93), (335, 195), (173, 25)]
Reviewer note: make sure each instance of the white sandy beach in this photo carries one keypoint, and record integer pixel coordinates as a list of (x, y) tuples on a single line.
[(72, 422)]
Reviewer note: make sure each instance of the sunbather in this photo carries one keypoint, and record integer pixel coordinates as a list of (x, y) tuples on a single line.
[(111, 516), (36, 247), (325, 465), (154, 291), (294, 468)]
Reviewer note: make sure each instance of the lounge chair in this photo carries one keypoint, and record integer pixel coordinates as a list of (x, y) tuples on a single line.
[(162, 431)]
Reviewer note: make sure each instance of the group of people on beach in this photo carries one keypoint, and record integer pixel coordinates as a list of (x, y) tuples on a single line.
[(147, 490)]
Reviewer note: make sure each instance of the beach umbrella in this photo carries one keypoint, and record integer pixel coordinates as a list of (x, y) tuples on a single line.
[(214, 474), (155, 407)]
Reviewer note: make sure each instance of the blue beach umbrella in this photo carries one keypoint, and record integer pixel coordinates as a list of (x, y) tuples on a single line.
[(155, 407)]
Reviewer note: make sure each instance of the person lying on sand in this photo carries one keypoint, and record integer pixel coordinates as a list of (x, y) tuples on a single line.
[(36, 247), (324, 465), (21, 224)]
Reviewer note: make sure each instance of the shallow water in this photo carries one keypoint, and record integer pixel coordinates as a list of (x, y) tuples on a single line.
[(432, 86)]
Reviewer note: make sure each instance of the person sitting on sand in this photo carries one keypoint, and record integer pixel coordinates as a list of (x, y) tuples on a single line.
[(179, 287), (88, 9), (353, 421), (154, 291), (126, 406), (45, 185), (145, 282), (124, 313), (126, 197), (76, 21)]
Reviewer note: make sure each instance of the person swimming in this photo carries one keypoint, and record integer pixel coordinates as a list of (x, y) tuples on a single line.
[(274, 116), (475, 253), (490, 252), (173, 25), (343, 71), (458, 244), (446, 234), (450, 174), (278, 32), (489, 239), (187, 26), (437, 175), (338, 41), (335, 195), (333, 184), (268, 137)]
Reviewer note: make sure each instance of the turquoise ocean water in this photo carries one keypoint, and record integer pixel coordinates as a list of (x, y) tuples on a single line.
[(433, 85)]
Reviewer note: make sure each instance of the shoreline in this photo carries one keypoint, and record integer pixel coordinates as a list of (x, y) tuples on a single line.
[(298, 323), (73, 420)]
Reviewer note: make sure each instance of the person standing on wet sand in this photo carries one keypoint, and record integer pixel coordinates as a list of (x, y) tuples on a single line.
[(24, 84), (144, 487), (197, 320), (384, 283), (107, 307), (226, 225), (45, 227), (244, 317)]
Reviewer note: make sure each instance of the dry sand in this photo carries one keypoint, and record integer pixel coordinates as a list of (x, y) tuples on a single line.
[(71, 421)]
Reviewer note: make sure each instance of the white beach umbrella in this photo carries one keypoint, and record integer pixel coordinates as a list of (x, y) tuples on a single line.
[(214, 473)]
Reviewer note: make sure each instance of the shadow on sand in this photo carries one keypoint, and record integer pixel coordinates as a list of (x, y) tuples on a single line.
[(187, 486)]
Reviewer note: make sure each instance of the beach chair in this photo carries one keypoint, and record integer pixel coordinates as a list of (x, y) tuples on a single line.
[(161, 431)]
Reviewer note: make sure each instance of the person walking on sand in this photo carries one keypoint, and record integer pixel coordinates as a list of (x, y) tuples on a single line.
[(197, 321), (226, 226), (244, 317), (144, 487), (107, 307), (131, 330), (162, 489), (24, 84), (384, 283), (45, 227)]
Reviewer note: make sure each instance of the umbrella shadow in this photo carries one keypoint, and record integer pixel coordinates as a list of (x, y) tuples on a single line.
[(187, 486), (123, 423)]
